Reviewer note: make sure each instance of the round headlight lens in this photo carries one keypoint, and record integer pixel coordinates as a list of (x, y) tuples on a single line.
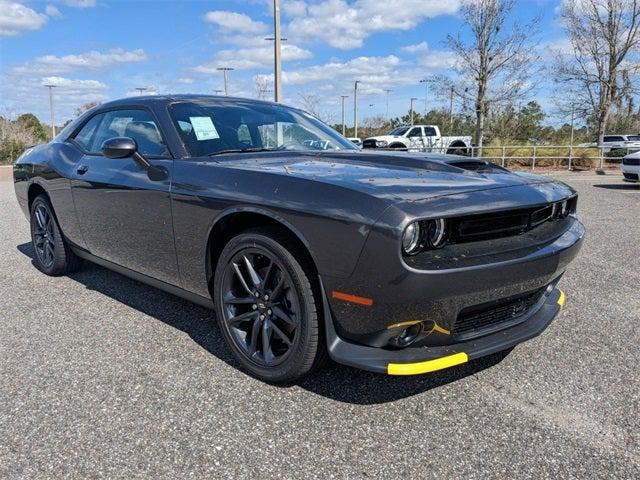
[(411, 238), (437, 232), (381, 143)]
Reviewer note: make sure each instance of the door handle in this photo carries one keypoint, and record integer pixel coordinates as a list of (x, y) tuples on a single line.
[(82, 169)]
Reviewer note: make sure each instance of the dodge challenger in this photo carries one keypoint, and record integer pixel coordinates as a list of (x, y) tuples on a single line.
[(306, 247)]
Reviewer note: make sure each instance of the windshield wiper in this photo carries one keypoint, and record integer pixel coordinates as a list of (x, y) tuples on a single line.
[(241, 150)]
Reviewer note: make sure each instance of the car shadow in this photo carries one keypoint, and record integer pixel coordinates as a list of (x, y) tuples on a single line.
[(618, 186), (338, 382)]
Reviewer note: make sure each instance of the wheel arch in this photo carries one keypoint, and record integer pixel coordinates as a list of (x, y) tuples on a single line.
[(233, 221), (33, 191)]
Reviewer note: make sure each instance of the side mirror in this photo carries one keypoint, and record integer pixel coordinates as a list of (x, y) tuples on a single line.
[(119, 147)]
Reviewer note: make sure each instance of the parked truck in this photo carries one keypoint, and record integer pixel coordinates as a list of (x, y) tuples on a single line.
[(420, 138)]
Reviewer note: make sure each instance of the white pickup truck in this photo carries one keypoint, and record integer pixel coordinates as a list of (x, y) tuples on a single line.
[(420, 138)]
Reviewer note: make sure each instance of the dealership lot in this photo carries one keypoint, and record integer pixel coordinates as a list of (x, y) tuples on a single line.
[(104, 376)]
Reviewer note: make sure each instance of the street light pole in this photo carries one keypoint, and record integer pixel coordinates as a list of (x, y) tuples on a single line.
[(224, 72), (343, 97), (573, 112), (426, 91), (277, 51), (412, 100), (388, 91), (53, 121), (451, 112), (355, 108)]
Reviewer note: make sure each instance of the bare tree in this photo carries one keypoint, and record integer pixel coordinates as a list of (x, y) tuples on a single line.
[(600, 72), (263, 87), (495, 65), (311, 103), (87, 106)]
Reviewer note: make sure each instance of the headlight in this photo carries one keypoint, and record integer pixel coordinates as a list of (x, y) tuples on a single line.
[(411, 238), (381, 143), (564, 210), (437, 232)]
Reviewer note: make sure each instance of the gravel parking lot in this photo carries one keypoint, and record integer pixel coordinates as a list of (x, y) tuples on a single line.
[(101, 376)]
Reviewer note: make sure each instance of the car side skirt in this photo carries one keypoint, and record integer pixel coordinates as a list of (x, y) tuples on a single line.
[(172, 289)]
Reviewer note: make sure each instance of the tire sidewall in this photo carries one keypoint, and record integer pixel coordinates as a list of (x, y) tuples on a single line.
[(58, 262), (308, 318)]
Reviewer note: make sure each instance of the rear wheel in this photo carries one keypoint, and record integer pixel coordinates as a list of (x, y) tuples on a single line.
[(52, 253), (266, 305)]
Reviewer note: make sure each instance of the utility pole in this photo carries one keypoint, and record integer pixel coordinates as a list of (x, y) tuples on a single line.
[(355, 108), (451, 112), (224, 71), (426, 90), (387, 92), (343, 97), (217, 91), (53, 121), (277, 51), (140, 90), (412, 100)]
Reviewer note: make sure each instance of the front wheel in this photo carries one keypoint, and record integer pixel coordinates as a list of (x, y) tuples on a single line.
[(266, 305)]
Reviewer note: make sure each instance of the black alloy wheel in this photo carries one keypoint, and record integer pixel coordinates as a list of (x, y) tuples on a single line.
[(266, 307), (53, 255)]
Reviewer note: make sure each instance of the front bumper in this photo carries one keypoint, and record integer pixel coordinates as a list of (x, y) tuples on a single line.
[(416, 360)]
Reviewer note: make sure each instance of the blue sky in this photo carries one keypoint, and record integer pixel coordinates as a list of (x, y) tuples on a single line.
[(102, 49)]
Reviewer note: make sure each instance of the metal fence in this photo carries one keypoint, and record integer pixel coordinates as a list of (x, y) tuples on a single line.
[(561, 156)]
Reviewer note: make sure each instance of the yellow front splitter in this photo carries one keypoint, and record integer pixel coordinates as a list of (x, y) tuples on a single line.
[(428, 365)]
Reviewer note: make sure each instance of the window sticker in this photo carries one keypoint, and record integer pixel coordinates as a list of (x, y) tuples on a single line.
[(204, 128)]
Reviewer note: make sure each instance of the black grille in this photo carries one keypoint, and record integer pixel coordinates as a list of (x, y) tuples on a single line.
[(631, 161), (369, 144), (630, 176), (473, 321)]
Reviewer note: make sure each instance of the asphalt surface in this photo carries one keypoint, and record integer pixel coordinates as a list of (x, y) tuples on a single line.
[(102, 376)]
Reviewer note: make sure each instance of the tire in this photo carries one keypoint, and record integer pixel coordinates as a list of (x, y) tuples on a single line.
[(52, 254), (246, 320)]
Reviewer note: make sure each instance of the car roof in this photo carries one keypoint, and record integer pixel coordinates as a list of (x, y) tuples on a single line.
[(166, 99)]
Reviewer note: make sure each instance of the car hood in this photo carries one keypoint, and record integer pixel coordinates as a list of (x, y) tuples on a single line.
[(388, 138), (392, 176)]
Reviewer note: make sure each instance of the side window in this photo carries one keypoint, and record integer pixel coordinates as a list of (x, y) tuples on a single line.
[(429, 132), (136, 124), (415, 132), (86, 136), (614, 138)]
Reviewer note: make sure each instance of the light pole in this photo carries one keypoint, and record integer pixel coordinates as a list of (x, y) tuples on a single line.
[(224, 71), (277, 50), (412, 100), (140, 90), (451, 111), (573, 114), (426, 90), (343, 97), (355, 108), (53, 121), (387, 91)]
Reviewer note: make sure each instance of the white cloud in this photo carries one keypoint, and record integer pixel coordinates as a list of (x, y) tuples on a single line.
[(88, 60), (16, 18), (257, 57), (185, 80), (52, 11), (83, 85), (345, 25), (421, 47), (234, 22), (294, 8), (81, 3)]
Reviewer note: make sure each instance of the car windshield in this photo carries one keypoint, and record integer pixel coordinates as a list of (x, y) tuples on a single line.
[(223, 126), (399, 131), (634, 138)]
